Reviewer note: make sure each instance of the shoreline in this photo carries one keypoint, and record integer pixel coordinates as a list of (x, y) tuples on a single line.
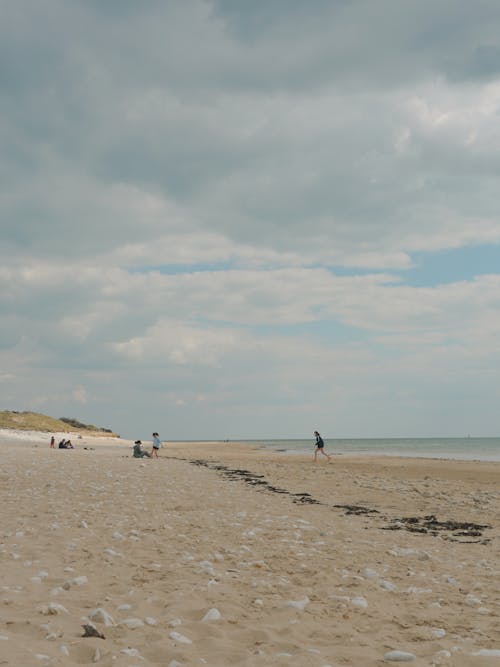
[(40, 438), (344, 447), (367, 454)]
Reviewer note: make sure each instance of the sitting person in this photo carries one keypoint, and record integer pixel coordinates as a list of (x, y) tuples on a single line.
[(62, 444), (138, 452), (69, 444)]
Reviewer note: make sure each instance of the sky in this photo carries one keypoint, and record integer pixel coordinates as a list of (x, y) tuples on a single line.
[(224, 219)]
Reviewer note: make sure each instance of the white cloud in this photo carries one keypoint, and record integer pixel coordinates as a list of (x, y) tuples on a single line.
[(178, 343)]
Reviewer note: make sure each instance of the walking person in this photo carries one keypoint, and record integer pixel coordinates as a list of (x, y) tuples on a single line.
[(156, 446), (320, 447), (52, 442)]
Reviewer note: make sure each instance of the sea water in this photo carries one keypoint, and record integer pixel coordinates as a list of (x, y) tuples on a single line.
[(466, 449)]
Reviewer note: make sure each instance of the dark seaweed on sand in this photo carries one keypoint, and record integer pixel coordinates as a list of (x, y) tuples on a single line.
[(453, 531)]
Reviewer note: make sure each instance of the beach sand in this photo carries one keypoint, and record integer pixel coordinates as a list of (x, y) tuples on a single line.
[(215, 555)]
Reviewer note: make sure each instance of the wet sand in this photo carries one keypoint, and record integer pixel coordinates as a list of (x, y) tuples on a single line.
[(221, 554)]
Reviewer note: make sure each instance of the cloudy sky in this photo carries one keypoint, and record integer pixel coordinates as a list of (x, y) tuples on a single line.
[(229, 219)]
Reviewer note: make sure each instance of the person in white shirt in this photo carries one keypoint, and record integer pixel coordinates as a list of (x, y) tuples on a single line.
[(156, 445)]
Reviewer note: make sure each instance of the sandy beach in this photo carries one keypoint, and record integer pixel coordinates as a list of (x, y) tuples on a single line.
[(220, 554)]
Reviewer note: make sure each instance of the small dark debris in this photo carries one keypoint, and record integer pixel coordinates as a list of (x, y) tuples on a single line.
[(430, 524), (356, 509), (305, 500), (91, 631)]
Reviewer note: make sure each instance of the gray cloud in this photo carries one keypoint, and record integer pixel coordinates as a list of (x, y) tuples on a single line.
[(211, 105)]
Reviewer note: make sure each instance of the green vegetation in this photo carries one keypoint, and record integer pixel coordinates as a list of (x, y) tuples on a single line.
[(75, 424), (34, 421)]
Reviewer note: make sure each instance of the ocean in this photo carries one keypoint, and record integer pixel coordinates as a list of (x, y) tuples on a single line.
[(465, 449)]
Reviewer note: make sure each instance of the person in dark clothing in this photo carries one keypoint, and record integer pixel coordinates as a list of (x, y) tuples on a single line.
[(138, 452), (320, 446)]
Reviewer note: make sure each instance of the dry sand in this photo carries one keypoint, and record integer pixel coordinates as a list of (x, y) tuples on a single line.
[(180, 563)]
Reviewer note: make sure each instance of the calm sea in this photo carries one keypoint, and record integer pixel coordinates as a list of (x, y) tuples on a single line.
[(467, 449)]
